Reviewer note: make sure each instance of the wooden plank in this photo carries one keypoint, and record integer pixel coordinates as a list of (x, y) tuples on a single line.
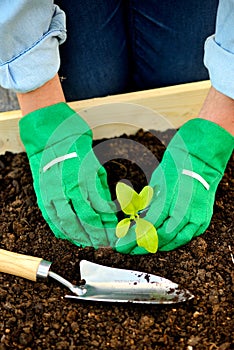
[(110, 116)]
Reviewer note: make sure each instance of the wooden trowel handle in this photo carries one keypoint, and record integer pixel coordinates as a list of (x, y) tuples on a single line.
[(25, 266)]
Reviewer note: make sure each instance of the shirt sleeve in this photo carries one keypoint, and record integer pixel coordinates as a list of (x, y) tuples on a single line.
[(30, 35), (219, 50)]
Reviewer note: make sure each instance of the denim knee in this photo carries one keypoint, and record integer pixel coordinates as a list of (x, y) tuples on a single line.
[(167, 40)]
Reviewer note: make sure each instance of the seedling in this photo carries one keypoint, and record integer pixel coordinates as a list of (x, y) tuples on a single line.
[(132, 204)]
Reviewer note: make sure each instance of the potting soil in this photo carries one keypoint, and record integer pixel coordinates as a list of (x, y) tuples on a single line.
[(36, 316)]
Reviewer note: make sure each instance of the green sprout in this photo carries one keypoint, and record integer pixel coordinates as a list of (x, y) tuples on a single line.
[(132, 204)]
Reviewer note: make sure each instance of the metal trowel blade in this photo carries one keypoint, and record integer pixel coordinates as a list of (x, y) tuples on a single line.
[(109, 284)]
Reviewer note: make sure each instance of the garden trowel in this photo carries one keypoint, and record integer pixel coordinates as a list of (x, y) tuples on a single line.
[(101, 283)]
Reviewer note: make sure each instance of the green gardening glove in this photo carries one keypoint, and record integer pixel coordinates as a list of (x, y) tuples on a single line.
[(70, 184), (185, 184)]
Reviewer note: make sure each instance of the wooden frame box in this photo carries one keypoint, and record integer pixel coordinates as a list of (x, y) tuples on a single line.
[(176, 105)]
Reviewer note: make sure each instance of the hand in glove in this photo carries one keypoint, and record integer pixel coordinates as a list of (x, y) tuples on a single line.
[(70, 184), (185, 184)]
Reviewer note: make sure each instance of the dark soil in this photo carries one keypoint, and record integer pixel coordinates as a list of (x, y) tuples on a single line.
[(36, 316)]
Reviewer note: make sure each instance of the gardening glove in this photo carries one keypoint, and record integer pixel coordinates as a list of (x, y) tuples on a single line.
[(70, 184), (184, 185)]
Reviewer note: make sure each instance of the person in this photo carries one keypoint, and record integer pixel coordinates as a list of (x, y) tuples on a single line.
[(112, 47)]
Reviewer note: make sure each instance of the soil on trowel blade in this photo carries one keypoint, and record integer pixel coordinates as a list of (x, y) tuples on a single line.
[(34, 315)]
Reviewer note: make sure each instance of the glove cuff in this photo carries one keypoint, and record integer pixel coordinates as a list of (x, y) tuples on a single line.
[(205, 140), (46, 126)]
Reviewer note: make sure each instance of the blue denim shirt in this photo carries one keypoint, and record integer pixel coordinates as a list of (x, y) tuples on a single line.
[(30, 34), (30, 57), (219, 50)]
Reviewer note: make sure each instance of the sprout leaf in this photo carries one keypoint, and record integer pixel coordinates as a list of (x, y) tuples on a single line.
[(146, 195), (129, 199), (146, 235), (122, 227)]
